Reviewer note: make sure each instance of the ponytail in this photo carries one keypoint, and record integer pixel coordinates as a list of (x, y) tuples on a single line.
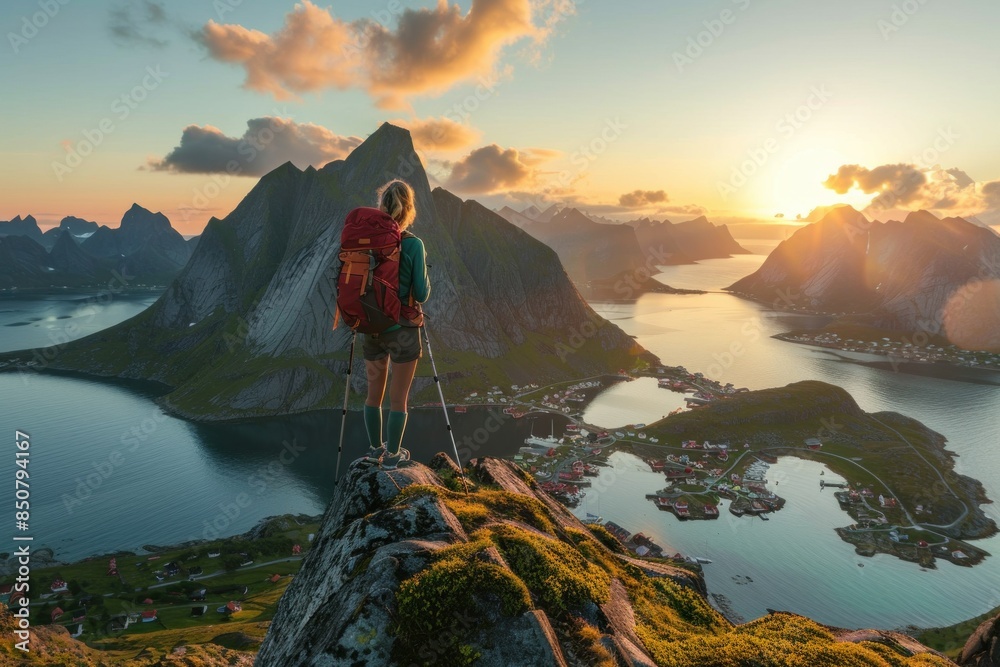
[(396, 198)]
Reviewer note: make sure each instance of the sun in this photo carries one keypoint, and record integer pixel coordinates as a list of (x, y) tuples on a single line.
[(795, 186)]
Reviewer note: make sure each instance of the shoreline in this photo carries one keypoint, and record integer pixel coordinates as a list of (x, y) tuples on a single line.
[(936, 347)]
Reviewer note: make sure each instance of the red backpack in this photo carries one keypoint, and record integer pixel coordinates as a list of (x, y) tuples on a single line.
[(368, 284)]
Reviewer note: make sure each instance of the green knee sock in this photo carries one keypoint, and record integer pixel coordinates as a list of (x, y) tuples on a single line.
[(373, 424), (397, 424)]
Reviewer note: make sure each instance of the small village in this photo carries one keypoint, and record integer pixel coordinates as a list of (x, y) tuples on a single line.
[(702, 479), (898, 349), (110, 598)]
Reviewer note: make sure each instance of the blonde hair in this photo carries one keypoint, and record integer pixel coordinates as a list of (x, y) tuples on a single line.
[(396, 198)]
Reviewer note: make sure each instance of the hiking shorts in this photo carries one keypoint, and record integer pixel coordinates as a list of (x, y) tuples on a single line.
[(400, 345)]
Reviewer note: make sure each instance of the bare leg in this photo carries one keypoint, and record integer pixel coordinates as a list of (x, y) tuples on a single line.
[(376, 372), (399, 386)]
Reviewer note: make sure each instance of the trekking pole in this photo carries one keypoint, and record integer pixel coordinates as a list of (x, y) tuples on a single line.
[(343, 414), (444, 407)]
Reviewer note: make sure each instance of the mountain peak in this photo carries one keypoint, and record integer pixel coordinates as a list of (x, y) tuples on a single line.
[(139, 217), (844, 215), (387, 153), (921, 217)]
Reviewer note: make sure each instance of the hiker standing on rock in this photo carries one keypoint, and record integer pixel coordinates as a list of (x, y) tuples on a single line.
[(379, 254)]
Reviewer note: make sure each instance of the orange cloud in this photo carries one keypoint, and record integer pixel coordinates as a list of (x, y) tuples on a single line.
[(638, 198), (439, 134), (429, 51), (899, 186), (492, 169)]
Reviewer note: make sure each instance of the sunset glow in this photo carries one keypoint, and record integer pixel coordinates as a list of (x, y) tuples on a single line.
[(698, 105)]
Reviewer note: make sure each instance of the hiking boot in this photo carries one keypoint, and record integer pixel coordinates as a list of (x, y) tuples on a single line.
[(374, 455), (390, 461)]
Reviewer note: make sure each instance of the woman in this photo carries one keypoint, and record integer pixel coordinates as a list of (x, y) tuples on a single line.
[(399, 345)]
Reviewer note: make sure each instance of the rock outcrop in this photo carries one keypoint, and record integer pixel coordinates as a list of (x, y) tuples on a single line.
[(408, 569), (245, 329), (983, 647), (941, 277)]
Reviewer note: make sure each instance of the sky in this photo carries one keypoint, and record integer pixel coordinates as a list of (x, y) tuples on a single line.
[(742, 110)]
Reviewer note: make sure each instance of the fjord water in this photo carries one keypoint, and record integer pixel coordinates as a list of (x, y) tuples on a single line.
[(183, 481), (795, 560)]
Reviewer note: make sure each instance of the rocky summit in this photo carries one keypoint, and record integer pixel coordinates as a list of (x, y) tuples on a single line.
[(409, 568), (245, 329)]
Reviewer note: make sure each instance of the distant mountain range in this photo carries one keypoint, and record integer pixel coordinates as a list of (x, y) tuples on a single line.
[(143, 248), (616, 259), (244, 330), (939, 276)]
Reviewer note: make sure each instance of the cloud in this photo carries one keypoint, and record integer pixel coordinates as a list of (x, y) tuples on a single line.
[(135, 23), (991, 194), (638, 198), (267, 143), (962, 179), (429, 51), (897, 184), (492, 168), (439, 134), (908, 187)]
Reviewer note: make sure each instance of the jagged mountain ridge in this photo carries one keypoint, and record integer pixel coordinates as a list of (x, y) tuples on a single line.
[(528, 216), (599, 253), (401, 555), (921, 274), (144, 248), (244, 330), (689, 241), (19, 226)]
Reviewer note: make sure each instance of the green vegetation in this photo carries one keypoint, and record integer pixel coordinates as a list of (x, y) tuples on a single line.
[(864, 448), (125, 593), (435, 601), (563, 572), (779, 640), (951, 640)]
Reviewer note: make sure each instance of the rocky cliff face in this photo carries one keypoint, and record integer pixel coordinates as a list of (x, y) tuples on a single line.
[(244, 330), (409, 570), (68, 257), (922, 274), (983, 647), (23, 262)]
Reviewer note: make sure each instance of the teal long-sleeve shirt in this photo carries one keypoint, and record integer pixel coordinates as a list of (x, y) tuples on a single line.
[(412, 272)]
